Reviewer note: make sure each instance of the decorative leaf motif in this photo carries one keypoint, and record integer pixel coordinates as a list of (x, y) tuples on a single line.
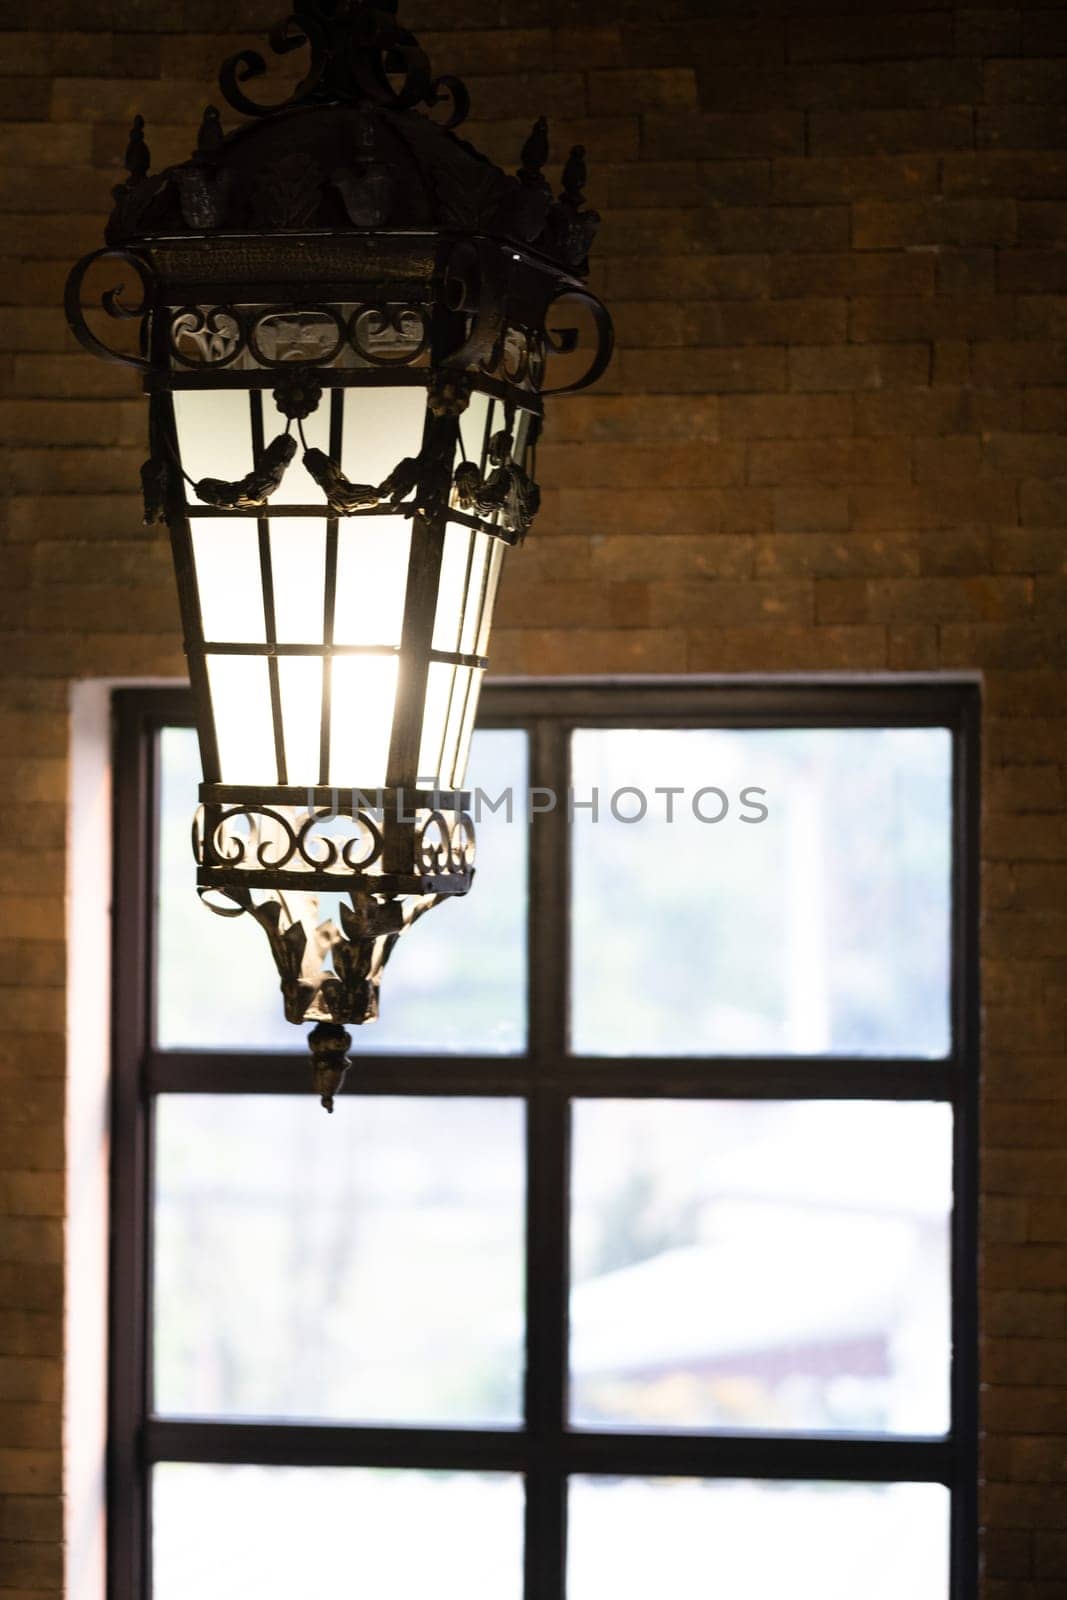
[(343, 497), (257, 486), (154, 476), (508, 491)]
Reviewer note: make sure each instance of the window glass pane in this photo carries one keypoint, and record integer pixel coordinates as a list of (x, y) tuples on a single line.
[(366, 1266), (694, 1539), (761, 1265), (455, 982), (334, 1533), (823, 928)]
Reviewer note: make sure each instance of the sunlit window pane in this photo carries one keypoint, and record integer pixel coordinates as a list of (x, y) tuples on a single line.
[(693, 1539), (455, 982), (366, 1266), (823, 928), (761, 1265), (330, 1533)]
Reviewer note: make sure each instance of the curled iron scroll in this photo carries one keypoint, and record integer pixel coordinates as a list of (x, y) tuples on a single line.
[(297, 30), (562, 341), (111, 302)]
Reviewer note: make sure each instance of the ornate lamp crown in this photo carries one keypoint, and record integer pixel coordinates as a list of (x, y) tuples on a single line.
[(344, 336)]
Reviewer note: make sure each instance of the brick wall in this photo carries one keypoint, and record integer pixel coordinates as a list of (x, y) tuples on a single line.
[(832, 439)]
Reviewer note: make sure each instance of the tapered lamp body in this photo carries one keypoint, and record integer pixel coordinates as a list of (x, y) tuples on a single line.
[(344, 337)]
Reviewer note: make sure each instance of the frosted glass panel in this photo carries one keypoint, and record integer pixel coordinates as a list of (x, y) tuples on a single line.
[(456, 981), (455, 564), (434, 720), (372, 575), (228, 579), (799, 899), (244, 727), (757, 1265), (298, 570), (332, 1533), (362, 697), (382, 427), (298, 487), (300, 690), (467, 726), (472, 428), (496, 564), (723, 1539), (476, 582), (214, 434), (363, 1267)]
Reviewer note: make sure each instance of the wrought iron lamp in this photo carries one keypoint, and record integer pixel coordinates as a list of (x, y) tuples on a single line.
[(343, 331)]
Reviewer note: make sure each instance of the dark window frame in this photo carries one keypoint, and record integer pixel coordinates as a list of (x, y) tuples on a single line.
[(544, 1450)]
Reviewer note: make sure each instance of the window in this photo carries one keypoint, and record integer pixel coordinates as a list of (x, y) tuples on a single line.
[(639, 1257)]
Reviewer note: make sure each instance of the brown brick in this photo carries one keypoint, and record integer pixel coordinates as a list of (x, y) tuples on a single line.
[(845, 555), (761, 322), (849, 178), (865, 86), (729, 136), (646, 89), (890, 132), (886, 224), (810, 510), (940, 317), (781, 647), (868, 36), (829, 368), (1032, 82), (829, 463), (1036, 175), (1043, 316), (988, 32), (888, 273), (749, 370), (690, 278), (1009, 127), (629, 466), (1002, 362), (786, 416)]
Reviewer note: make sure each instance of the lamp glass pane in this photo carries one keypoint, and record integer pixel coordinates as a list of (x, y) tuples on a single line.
[(300, 691), (382, 425), (298, 572), (485, 623), (226, 554), (244, 725), (298, 487), (334, 1533), (372, 575), (466, 729), (476, 583), (473, 430), (214, 434), (452, 586), (434, 721), (362, 698), (729, 1539)]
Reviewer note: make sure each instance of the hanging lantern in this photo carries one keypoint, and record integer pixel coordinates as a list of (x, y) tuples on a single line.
[(343, 330)]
